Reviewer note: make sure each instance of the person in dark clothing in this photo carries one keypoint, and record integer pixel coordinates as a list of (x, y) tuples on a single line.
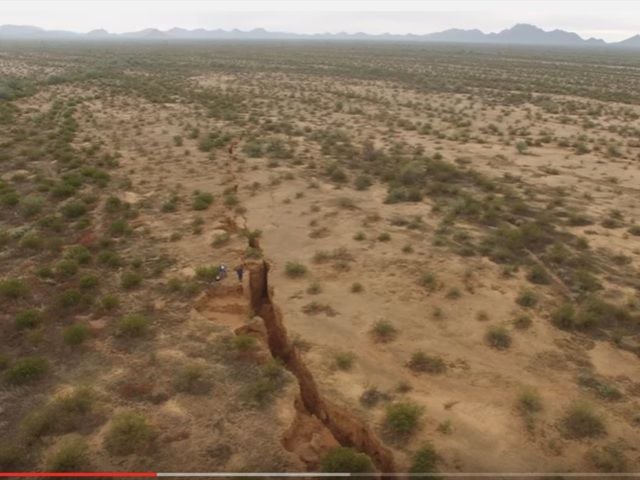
[(240, 272)]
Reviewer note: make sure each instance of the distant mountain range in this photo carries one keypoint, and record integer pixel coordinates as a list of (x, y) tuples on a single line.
[(520, 34)]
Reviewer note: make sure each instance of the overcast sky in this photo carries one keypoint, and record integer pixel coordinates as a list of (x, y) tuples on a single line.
[(611, 20)]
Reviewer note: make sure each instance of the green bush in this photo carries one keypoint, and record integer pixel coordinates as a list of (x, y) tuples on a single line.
[(295, 269), (538, 275), (425, 460), (201, 200), (344, 360), (421, 362), (208, 274), (71, 455), (498, 337), (128, 433), (429, 281), (245, 343), (193, 379), (13, 289), (580, 421), (608, 458), (62, 415), (522, 322), (403, 418), (529, 401), (527, 299), (119, 228), (74, 209), (384, 331), (345, 460), (30, 318), (66, 268), (87, 282), (564, 316), (75, 334), (133, 325), (26, 370), (130, 280), (109, 303)]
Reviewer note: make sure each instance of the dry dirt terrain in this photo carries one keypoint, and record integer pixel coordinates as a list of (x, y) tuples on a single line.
[(439, 249)]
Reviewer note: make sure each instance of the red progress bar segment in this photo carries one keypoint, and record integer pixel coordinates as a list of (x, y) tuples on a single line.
[(79, 474)]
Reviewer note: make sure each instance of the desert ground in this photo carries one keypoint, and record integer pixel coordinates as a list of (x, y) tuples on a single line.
[(439, 248)]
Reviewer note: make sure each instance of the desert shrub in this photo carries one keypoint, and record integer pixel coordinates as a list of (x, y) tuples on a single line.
[(527, 299), (425, 460), (564, 316), (344, 360), (109, 258), (32, 241), (26, 370), (73, 209), (429, 281), (362, 182), (70, 299), (113, 204), (454, 293), (75, 334), (384, 331), (207, 273), (109, 303), (79, 254), (634, 230), (31, 205), (119, 227), (87, 282), (498, 337), (193, 379), (13, 456), (580, 421), (66, 268), (384, 237), (133, 325), (529, 401), (201, 200), (221, 240), (272, 379), (403, 418), (128, 433), (13, 288), (372, 396), (70, 455), (359, 236), (421, 362), (295, 269), (129, 280), (608, 458), (346, 460), (538, 275), (30, 318), (356, 287), (314, 288), (244, 343), (602, 389), (522, 322)]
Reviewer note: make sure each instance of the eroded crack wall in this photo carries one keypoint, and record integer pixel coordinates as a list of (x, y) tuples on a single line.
[(347, 429)]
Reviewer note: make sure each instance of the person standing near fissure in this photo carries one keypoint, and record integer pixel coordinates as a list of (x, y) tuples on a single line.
[(240, 272)]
